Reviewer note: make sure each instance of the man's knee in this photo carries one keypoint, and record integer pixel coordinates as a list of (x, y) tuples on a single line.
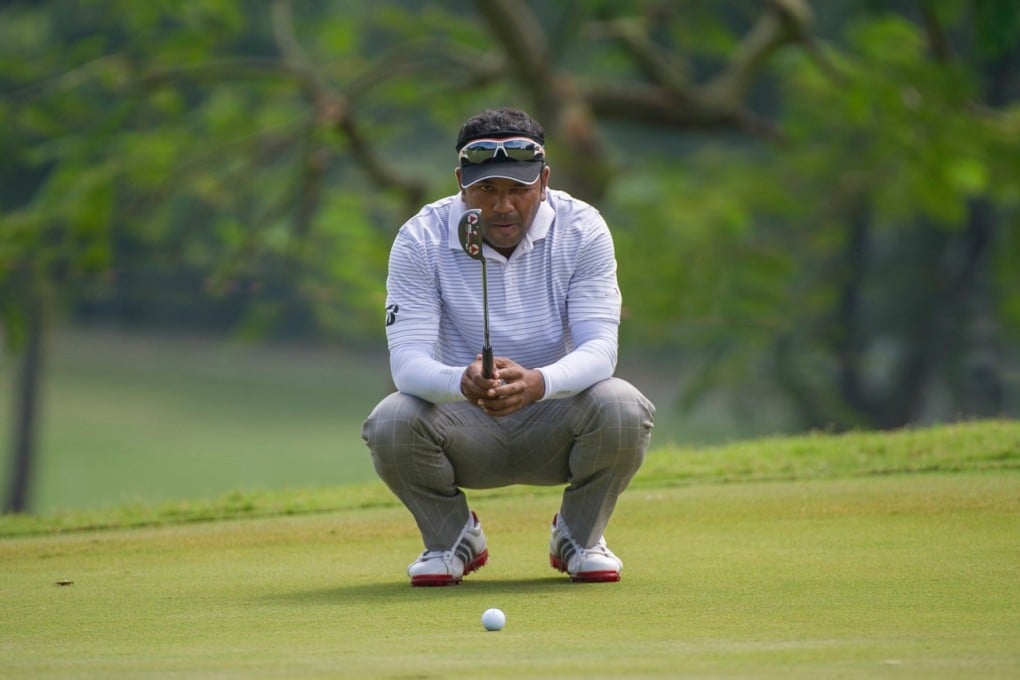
[(622, 419), (620, 405), (389, 427)]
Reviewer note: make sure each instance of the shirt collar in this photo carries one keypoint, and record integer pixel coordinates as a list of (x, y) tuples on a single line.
[(538, 231)]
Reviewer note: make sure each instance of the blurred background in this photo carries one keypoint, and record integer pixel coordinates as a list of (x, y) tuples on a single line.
[(815, 207)]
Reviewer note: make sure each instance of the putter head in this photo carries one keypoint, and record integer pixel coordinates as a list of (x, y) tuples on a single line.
[(469, 229)]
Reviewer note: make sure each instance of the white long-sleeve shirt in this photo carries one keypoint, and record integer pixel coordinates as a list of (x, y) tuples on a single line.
[(554, 304)]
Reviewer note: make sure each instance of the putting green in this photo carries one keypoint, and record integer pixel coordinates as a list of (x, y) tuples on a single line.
[(909, 575)]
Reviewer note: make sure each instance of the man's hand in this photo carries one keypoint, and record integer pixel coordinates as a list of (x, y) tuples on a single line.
[(511, 387)]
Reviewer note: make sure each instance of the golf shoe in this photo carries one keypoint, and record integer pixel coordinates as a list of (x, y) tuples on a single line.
[(448, 567), (590, 565)]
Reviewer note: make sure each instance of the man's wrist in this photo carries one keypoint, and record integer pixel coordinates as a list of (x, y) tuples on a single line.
[(538, 382)]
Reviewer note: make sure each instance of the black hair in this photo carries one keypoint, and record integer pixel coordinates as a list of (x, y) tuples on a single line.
[(503, 122)]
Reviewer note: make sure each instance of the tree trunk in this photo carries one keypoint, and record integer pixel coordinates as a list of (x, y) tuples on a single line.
[(26, 400)]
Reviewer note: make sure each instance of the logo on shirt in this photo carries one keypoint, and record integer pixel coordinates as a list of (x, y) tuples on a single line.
[(391, 314)]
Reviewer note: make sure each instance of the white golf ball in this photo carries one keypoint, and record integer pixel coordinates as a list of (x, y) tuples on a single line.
[(493, 619)]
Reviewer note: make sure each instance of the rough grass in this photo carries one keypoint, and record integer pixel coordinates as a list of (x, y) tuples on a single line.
[(127, 419), (977, 446)]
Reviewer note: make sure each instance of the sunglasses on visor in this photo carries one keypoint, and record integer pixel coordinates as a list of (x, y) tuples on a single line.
[(515, 148)]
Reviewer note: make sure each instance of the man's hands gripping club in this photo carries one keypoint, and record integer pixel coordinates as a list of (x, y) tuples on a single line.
[(510, 388)]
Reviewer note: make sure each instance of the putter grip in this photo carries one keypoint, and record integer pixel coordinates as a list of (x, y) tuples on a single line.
[(487, 365)]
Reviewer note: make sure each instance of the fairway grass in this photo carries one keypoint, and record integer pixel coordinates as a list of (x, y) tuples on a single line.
[(900, 576), (125, 419), (140, 419)]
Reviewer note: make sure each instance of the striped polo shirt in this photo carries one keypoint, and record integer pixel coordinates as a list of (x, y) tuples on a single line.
[(554, 304)]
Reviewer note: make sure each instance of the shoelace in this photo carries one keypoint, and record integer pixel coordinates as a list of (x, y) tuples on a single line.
[(581, 553), (434, 554), (599, 547)]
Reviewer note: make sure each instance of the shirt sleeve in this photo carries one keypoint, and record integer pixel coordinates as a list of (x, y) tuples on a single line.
[(594, 303), (416, 372), (593, 360), (412, 330)]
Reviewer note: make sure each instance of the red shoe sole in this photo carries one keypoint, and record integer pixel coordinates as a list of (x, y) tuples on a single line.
[(596, 577), (607, 576), (434, 580)]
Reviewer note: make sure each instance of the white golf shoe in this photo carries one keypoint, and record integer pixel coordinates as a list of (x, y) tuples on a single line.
[(596, 564), (448, 567)]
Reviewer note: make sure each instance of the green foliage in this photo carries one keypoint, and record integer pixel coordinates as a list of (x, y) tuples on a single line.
[(827, 257), (171, 137), (173, 154), (997, 24), (902, 128)]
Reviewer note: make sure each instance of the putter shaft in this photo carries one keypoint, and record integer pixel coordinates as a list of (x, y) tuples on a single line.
[(487, 361), (469, 229)]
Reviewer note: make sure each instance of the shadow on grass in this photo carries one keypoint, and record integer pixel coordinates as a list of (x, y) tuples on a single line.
[(401, 591)]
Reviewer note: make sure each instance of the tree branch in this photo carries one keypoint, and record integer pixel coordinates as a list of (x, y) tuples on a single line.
[(558, 101), (333, 109), (781, 23), (674, 100), (522, 37), (937, 40), (659, 107), (662, 67)]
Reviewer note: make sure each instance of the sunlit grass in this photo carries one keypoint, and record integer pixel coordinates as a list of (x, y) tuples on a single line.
[(905, 575)]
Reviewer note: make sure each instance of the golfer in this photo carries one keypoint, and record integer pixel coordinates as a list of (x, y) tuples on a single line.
[(552, 413)]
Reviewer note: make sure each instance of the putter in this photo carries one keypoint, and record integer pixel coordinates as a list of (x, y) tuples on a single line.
[(469, 229)]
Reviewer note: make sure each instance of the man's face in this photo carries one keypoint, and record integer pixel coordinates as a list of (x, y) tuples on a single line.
[(508, 208)]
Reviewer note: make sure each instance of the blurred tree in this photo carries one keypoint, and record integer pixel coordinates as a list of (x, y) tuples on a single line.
[(837, 230), (867, 265)]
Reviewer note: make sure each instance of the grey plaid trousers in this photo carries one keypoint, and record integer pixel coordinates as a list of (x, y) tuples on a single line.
[(594, 442)]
